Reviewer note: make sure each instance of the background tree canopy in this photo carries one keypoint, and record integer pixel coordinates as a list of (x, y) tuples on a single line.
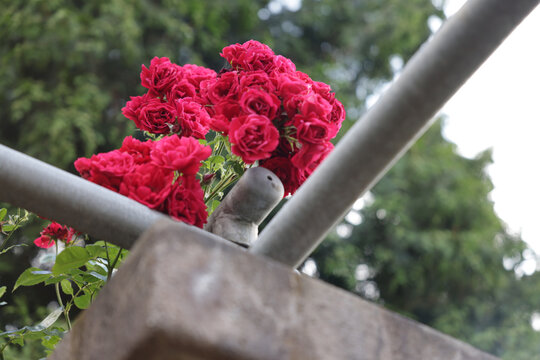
[(429, 245)]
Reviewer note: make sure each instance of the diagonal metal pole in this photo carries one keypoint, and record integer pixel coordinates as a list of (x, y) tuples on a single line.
[(390, 127)]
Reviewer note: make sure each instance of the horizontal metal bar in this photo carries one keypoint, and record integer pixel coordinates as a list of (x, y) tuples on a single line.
[(58, 195), (388, 129)]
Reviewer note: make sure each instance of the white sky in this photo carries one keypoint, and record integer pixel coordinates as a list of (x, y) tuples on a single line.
[(499, 108)]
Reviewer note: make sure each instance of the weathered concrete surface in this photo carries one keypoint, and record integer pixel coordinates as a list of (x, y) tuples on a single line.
[(181, 295)]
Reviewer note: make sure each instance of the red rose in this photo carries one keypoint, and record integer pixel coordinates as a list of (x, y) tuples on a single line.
[(252, 55), (255, 101), (311, 155), (232, 54), (338, 113), (186, 201), (315, 103), (192, 119), (138, 150), (224, 112), (323, 90), (157, 117), (256, 79), (290, 85), (290, 175), (148, 184), (160, 77), (292, 105), (310, 129), (133, 107), (182, 154), (283, 65), (55, 230), (222, 88), (196, 74), (44, 242), (181, 89), (106, 169), (52, 232), (254, 137)]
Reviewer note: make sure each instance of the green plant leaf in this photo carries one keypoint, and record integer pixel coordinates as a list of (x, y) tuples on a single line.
[(3, 213), (18, 340), (66, 287), (8, 228), (2, 290), (96, 250), (50, 341), (55, 279), (31, 276), (213, 205), (83, 301), (71, 258)]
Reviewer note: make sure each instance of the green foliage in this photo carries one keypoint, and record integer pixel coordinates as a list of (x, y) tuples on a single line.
[(79, 273), (431, 247)]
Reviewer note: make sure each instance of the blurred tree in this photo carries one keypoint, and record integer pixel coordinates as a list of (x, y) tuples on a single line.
[(430, 246)]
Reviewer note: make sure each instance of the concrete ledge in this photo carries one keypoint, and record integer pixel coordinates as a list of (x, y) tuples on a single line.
[(182, 295)]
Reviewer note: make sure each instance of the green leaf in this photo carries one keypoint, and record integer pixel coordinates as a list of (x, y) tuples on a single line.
[(18, 340), (50, 341), (66, 287), (55, 279), (34, 332), (8, 228), (2, 290), (213, 205), (31, 276), (83, 301), (96, 250), (71, 258), (3, 213)]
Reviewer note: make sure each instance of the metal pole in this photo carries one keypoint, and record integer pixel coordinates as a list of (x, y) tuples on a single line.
[(385, 132), (56, 194)]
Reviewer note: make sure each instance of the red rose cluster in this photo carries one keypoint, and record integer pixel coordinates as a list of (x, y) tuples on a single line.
[(159, 174), (172, 103), (272, 113), (54, 232)]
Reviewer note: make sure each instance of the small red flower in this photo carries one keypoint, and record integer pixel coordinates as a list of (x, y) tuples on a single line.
[(44, 242)]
